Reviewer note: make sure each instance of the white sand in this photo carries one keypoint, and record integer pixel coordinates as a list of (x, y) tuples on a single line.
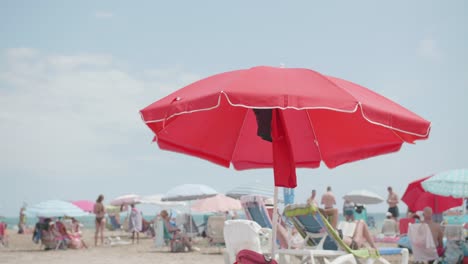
[(21, 249)]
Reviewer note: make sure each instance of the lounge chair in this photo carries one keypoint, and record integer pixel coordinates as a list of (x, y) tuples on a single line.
[(256, 210), (422, 243), (370, 256)]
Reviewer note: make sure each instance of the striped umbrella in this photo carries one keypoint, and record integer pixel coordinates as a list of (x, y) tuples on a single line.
[(252, 188)]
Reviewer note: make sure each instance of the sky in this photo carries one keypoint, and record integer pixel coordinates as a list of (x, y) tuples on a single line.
[(75, 74)]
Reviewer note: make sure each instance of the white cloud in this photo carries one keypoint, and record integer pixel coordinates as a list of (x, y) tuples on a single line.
[(61, 112), (103, 15), (429, 49)]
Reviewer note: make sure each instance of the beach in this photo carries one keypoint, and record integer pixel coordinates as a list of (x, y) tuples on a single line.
[(21, 249)]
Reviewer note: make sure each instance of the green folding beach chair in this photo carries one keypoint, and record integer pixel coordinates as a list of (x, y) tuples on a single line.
[(300, 211)]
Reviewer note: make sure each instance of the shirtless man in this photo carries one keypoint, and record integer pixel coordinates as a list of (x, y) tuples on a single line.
[(328, 199), (392, 201), (436, 230), (331, 213), (311, 199)]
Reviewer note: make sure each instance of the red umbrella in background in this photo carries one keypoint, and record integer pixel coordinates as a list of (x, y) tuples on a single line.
[(85, 205), (417, 198), (280, 118)]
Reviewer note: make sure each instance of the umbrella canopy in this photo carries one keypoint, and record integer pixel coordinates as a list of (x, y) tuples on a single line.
[(417, 198), (217, 203), (226, 117), (157, 200), (252, 188), (54, 208), (126, 199), (449, 183), (187, 192), (85, 205), (363, 197)]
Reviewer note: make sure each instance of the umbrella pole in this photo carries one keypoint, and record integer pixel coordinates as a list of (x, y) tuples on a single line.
[(275, 222)]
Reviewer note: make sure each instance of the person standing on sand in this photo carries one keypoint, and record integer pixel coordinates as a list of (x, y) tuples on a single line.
[(392, 201), (328, 199), (135, 223), (311, 199), (22, 221), (100, 212)]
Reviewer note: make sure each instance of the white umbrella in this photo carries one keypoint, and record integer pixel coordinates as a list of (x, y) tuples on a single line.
[(363, 197), (125, 199), (251, 188), (188, 192), (54, 208), (157, 200)]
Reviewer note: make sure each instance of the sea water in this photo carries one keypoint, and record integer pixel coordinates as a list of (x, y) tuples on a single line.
[(88, 221)]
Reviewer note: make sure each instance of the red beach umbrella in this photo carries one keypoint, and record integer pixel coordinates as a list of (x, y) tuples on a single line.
[(280, 118), (309, 117), (417, 198)]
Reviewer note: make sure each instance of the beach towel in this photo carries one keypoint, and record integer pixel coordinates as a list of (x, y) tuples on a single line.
[(246, 256), (422, 243)]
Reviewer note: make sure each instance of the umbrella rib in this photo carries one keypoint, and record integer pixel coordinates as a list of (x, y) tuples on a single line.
[(315, 135)]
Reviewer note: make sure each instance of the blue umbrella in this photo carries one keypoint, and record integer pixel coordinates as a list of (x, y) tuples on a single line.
[(449, 183), (54, 208)]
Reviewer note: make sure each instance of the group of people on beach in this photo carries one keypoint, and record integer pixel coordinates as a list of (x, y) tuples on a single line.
[(361, 234)]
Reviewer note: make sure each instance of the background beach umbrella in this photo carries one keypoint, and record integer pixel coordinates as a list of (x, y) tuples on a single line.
[(188, 192), (54, 208), (217, 203), (157, 200), (280, 118), (126, 200), (251, 188), (417, 198), (85, 205), (449, 183), (363, 197)]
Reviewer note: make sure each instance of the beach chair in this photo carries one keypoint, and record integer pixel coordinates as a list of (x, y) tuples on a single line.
[(422, 243), (369, 256), (242, 234), (215, 229), (188, 224), (256, 210)]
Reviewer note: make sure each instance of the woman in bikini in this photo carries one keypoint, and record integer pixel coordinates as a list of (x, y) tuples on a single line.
[(100, 212)]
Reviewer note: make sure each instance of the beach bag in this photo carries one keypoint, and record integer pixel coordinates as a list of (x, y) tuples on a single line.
[(246, 256), (177, 246)]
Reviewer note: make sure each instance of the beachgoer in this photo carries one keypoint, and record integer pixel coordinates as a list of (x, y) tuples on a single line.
[(22, 221), (348, 207), (328, 199), (311, 199), (436, 230), (392, 201), (100, 212), (175, 231), (389, 226), (358, 235), (135, 223)]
